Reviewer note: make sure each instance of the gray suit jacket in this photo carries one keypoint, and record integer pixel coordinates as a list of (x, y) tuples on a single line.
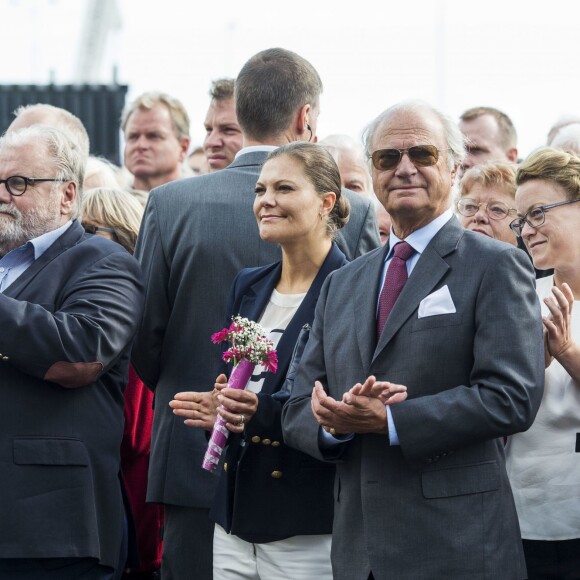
[(439, 505), (197, 234)]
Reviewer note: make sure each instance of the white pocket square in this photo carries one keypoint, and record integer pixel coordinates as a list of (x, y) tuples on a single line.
[(440, 302)]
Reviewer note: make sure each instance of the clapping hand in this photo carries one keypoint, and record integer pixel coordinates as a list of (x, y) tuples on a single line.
[(557, 326), (388, 393), (361, 410)]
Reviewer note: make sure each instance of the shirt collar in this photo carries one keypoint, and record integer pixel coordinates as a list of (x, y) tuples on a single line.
[(255, 149), (420, 238), (43, 242)]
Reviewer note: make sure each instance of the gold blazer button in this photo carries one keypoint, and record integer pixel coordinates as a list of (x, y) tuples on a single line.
[(276, 474)]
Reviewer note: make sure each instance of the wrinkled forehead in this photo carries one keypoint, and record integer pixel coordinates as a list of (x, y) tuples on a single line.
[(25, 157), (408, 127)]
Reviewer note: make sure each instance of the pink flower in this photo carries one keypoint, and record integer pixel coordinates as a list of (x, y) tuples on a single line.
[(271, 362), (235, 328), (248, 342), (220, 336)]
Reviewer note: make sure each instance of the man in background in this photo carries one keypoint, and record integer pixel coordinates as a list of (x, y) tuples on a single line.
[(223, 136), (156, 130), (353, 167), (61, 119), (490, 136)]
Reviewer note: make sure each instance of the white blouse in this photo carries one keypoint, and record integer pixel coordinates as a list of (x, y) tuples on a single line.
[(543, 463), (276, 317)]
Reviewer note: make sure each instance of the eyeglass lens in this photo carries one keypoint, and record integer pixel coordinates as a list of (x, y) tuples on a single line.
[(495, 210), (420, 156), (15, 185)]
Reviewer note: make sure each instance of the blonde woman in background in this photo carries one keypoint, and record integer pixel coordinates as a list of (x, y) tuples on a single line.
[(116, 214)]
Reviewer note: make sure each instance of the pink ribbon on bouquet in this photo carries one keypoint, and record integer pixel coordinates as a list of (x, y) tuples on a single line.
[(239, 379)]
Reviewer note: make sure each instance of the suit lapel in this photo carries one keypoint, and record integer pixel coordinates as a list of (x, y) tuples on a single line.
[(253, 304), (303, 315), (70, 238), (365, 302), (426, 274)]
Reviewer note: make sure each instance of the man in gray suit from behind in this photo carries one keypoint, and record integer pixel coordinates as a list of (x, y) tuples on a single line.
[(196, 235), (421, 489)]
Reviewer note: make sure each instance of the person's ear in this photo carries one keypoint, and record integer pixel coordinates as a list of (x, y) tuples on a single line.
[(512, 154), (184, 147), (454, 173), (303, 127), (69, 195), (328, 201)]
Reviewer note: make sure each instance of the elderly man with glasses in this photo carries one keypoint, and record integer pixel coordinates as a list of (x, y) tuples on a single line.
[(411, 383), (69, 307)]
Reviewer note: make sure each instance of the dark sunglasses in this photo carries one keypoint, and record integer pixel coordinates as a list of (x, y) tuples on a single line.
[(420, 156)]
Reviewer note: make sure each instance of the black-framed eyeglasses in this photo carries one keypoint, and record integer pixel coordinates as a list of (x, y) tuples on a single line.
[(16, 185), (495, 210), (536, 216), (90, 229), (420, 156)]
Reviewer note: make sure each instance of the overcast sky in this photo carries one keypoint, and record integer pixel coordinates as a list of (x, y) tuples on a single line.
[(520, 57)]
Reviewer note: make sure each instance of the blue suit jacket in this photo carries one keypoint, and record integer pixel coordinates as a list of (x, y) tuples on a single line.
[(267, 490)]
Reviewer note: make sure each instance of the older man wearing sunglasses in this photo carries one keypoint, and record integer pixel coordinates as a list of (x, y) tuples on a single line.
[(411, 389)]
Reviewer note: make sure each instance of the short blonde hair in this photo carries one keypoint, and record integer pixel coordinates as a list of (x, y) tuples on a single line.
[(494, 174), (177, 112), (559, 167), (115, 209)]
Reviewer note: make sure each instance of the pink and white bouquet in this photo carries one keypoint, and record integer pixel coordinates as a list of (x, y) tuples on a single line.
[(249, 347)]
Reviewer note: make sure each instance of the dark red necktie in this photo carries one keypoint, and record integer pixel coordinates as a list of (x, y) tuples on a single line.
[(394, 281)]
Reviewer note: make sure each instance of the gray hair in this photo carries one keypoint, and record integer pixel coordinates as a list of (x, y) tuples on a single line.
[(454, 139), (568, 138), (563, 121), (62, 150), (270, 89), (334, 144), (52, 116)]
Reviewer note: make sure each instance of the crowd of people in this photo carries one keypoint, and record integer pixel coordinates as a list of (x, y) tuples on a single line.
[(419, 288)]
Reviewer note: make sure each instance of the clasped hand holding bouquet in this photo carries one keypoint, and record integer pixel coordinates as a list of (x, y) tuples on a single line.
[(228, 407)]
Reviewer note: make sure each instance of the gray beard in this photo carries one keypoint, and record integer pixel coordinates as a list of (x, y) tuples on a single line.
[(26, 226)]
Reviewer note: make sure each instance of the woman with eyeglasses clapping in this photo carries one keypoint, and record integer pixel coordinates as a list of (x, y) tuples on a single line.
[(544, 462)]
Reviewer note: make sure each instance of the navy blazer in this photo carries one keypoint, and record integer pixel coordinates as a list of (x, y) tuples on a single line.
[(267, 490), (67, 325)]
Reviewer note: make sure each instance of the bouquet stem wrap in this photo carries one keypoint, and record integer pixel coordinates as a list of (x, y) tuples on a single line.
[(239, 378)]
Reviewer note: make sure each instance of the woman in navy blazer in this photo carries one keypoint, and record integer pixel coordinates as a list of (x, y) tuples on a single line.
[(270, 497)]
